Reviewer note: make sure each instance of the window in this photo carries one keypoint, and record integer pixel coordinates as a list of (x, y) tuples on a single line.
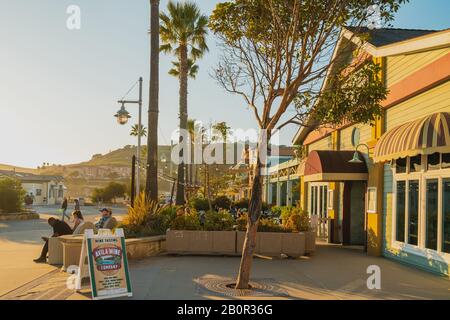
[(400, 165), (434, 161), (400, 214), (415, 164), (413, 210), (330, 199), (445, 160), (38, 192), (446, 216), (372, 200), (421, 207), (431, 214)]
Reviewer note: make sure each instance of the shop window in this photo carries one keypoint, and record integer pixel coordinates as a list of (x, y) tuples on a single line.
[(434, 161), (413, 216), (400, 165), (446, 216), (415, 164), (445, 160), (400, 212), (431, 213)]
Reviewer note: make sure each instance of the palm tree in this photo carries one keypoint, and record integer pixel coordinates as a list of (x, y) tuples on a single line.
[(183, 34), (223, 130), (135, 130), (153, 106)]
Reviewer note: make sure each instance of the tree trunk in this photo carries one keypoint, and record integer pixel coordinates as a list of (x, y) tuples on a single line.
[(254, 212), (183, 121), (153, 108)]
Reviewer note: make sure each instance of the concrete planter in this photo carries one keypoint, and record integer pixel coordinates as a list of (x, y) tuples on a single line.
[(18, 216), (310, 242), (137, 249), (231, 243), (201, 242)]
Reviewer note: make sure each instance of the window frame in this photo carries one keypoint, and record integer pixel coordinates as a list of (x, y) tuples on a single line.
[(375, 193), (422, 176)]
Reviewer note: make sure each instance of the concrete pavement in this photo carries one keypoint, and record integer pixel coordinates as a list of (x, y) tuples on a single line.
[(333, 273), (20, 243)]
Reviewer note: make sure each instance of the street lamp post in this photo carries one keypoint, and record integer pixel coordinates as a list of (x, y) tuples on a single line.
[(122, 118)]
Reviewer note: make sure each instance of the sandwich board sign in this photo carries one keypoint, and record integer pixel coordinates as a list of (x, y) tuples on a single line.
[(104, 259)]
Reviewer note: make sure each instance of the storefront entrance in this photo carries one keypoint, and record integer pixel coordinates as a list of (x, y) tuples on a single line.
[(353, 221)]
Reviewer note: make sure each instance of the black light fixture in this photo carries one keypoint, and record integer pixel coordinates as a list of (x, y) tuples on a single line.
[(122, 115)]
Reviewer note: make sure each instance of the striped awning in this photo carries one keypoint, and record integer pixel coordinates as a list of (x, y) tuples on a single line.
[(424, 136)]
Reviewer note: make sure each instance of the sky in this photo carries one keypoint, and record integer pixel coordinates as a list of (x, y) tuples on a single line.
[(59, 87)]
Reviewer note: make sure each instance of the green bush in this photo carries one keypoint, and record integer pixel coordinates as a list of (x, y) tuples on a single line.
[(297, 220), (276, 211), (109, 194), (222, 202), (11, 195), (147, 218), (264, 225), (199, 204), (186, 222), (242, 204), (286, 213), (269, 225), (218, 221)]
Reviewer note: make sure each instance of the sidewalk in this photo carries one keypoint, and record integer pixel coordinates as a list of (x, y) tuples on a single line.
[(333, 273)]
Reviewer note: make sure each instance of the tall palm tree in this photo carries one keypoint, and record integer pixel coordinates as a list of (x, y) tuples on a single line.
[(222, 130), (183, 33), (153, 106)]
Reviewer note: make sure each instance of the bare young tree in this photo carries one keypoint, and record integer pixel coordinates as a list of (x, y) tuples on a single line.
[(277, 55)]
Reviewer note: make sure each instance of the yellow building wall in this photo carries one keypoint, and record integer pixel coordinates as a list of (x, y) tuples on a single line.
[(346, 136), (429, 102), (325, 143), (399, 67)]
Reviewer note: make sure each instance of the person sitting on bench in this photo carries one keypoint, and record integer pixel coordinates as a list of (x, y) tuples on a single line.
[(60, 228)]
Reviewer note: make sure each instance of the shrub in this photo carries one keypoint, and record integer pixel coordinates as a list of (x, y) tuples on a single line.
[(286, 212), (298, 220), (276, 211), (11, 195), (199, 204), (186, 222), (112, 191), (147, 218), (222, 202), (265, 225), (242, 204), (269, 225), (218, 221)]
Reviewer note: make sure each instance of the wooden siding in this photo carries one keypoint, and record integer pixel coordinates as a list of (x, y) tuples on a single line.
[(322, 144), (429, 102), (346, 136), (399, 67)]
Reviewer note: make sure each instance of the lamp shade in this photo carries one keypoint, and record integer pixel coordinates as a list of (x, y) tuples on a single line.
[(122, 116)]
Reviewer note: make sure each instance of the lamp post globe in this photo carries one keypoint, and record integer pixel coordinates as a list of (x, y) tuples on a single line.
[(122, 115)]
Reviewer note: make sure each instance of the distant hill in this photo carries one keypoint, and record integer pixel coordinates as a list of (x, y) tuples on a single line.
[(18, 169)]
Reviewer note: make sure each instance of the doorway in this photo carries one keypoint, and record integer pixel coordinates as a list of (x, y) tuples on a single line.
[(353, 222)]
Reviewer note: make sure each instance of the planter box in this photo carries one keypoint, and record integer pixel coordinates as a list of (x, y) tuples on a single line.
[(18, 216), (137, 249), (310, 242), (201, 242), (267, 243)]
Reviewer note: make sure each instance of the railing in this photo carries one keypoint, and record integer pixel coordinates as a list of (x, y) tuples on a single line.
[(320, 226)]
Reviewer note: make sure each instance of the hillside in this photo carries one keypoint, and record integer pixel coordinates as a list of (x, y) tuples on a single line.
[(8, 167)]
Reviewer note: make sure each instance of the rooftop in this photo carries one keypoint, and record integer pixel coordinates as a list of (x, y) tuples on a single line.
[(386, 36)]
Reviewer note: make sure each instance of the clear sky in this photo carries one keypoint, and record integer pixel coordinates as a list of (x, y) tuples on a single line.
[(58, 88)]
